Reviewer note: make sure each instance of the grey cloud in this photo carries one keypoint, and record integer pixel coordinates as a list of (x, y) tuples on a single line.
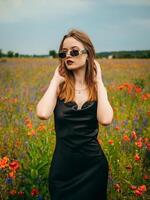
[(20, 10)]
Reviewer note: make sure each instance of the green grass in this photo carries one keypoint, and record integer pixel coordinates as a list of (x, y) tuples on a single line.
[(28, 143)]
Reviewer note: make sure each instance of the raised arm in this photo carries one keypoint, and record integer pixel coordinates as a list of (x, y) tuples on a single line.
[(104, 109), (46, 105)]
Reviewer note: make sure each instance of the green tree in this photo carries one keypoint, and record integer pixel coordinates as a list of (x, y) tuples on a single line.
[(16, 55), (53, 53), (10, 54), (1, 53)]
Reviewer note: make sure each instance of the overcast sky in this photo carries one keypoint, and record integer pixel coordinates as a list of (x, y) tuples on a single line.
[(37, 26)]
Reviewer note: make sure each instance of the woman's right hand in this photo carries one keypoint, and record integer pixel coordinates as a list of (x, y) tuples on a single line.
[(59, 75)]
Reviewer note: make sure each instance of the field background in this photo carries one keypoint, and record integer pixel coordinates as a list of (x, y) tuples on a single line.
[(27, 143)]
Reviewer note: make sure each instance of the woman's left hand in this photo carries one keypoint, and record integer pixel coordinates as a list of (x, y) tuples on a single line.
[(98, 70)]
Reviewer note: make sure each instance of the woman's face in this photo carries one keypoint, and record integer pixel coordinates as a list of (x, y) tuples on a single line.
[(73, 62)]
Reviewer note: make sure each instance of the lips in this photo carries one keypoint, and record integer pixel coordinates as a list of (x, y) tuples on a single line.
[(69, 62)]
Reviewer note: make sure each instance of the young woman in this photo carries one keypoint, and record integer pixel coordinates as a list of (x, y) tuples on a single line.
[(78, 98)]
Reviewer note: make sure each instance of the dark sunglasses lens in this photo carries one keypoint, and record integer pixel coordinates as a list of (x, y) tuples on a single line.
[(74, 53), (62, 54)]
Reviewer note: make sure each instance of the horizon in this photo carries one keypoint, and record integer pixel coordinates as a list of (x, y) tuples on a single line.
[(57, 52)]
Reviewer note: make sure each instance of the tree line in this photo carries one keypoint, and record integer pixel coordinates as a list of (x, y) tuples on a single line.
[(124, 54), (110, 54)]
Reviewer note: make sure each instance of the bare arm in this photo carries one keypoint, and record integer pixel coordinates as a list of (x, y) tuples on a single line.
[(46, 105), (104, 109)]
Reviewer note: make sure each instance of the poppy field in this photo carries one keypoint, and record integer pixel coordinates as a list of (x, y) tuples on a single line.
[(27, 143)]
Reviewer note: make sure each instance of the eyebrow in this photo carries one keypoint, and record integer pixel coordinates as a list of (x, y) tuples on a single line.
[(71, 47)]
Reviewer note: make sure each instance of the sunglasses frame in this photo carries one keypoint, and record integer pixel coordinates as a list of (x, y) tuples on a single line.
[(81, 51)]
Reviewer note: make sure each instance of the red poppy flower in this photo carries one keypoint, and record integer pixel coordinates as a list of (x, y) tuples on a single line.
[(4, 162), (126, 138), (138, 193), (142, 188), (14, 165), (139, 144), (137, 157), (34, 192), (21, 193), (111, 142)]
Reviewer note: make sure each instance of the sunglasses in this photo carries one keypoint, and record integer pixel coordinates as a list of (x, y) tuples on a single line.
[(74, 52)]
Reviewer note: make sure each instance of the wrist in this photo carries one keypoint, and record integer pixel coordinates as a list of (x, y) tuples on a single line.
[(54, 81)]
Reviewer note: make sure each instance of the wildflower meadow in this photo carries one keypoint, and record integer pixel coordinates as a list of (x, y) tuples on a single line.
[(27, 143)]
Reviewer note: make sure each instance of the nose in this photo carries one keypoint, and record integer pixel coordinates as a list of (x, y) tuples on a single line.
[(68, 53)]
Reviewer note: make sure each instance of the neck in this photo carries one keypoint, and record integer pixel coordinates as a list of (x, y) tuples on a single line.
[(80, 78)]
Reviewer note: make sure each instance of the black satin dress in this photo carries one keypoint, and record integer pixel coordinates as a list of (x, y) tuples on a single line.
[(79, 167)]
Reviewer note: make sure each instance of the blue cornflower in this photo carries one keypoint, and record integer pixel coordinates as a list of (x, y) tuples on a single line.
[(39, 197), (8, 180)]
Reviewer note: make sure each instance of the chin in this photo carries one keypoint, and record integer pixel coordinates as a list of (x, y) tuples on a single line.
[(74, 67)]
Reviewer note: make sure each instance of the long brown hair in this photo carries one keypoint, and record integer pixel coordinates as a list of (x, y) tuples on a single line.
[(66, 89)]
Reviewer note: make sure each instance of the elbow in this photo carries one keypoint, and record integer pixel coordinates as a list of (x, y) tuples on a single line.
[(41, 115), (107, 121)]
